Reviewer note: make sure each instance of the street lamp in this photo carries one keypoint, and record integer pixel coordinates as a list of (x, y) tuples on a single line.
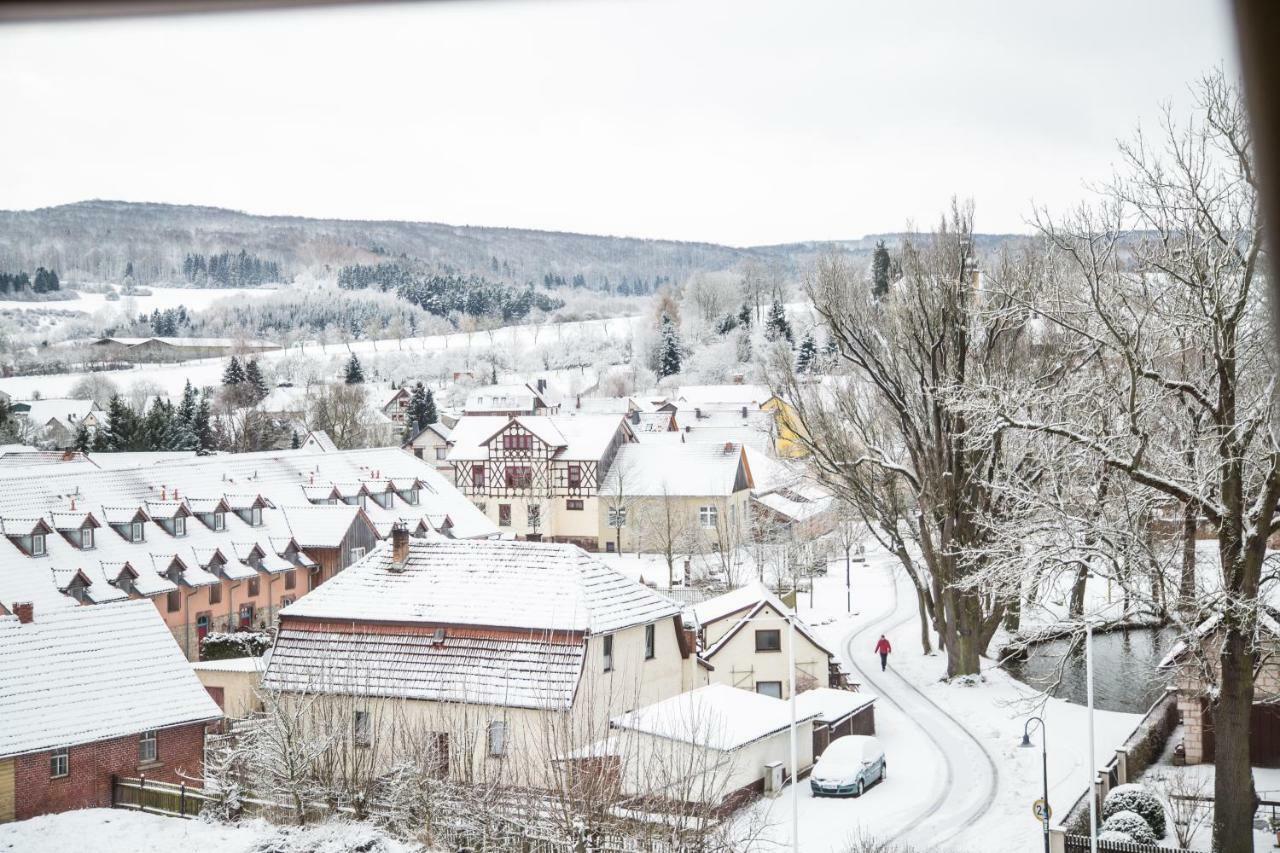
[(1044, 768)]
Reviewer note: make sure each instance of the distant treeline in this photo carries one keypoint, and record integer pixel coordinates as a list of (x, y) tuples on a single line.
[(228, 270), (446, 295), (46, 281), (624, 286)]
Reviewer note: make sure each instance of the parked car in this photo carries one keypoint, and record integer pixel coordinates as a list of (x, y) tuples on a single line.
[(850, 765)]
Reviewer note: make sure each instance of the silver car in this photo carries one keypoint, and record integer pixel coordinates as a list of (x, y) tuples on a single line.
[(850, 765)]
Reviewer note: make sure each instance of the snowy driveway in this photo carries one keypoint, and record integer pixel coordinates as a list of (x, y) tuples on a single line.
[(964, 789)]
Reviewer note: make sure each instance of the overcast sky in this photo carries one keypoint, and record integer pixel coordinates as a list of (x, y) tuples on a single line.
[(737, 122)]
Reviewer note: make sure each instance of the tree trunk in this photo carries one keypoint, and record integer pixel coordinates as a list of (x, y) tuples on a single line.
[(1233, 793), (1076, 609), (1187, 583), (962, 632), (925, 645)]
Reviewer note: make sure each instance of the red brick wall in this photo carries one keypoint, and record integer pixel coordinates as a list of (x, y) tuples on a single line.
[(180, 750)]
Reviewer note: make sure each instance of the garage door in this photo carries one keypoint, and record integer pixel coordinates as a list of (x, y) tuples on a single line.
[(6, 790)]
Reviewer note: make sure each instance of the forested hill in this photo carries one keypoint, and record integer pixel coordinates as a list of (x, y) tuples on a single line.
[(97, 240)]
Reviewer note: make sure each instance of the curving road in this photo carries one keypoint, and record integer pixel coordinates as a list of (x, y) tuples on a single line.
[(968, 784)]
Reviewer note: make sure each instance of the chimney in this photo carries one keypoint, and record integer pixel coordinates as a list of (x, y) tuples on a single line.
[(25, 611), (578, 405), (175, 493), (73, 503), (399, 546), (164, 493), (728, 448), (744, 413), (697, 414)]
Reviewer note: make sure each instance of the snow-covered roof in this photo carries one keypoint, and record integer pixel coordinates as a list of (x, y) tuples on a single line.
[(725, 395), (320, 525), (716, 716), (319, 439), (85, 674), (574, 437), (830, 705), (245, 664), (66, 410), (738, 600), (515, 397), (189, 343), (677, 469), (493, 583)]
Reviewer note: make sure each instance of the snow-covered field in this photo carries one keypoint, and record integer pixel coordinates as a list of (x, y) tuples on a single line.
[(194, 298)]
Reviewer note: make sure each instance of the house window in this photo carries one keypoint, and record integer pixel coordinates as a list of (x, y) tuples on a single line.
[(769, 688), (180, 526), (477, 476), (607, 645), (504, 515), (202, 625), (356, 554), (362, 729), (37, 545), (59, 764), (518, 477), (215, 593), (769, 641), (441, 453), (573, 504), (285, 601), (135, 531), (290, 579), (515, 441), (707, 516), (246, 615), (575, 476), (255, 586), (219, 521), (148, 749), (497, 738), (174, 603), (411, 497), (417, 451), (649, 631), (255, 516), (86, 539)]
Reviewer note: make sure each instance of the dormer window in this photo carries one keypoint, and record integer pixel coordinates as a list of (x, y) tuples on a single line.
[(255, 516), (219, 521), (180, 525), (86, 539), (410, 496), (37, 545), (135, 531)]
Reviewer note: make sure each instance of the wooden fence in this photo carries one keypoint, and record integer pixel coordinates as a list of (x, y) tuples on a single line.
[(1080, 844), (165, 798)]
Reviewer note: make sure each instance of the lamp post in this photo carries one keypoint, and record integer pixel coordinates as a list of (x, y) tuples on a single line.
[(1044, 771)]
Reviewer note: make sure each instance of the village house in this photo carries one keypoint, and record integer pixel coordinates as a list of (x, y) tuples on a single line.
[(88, 693), (218, 543), (431, 444), (53, 422), (513, 400), (538, 477), (492, 650), (179, 349)]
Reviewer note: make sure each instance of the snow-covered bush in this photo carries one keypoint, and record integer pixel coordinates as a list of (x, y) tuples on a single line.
[(332, 837), (238, 644), (1140, 801), (1131, 824), (1115, 836)]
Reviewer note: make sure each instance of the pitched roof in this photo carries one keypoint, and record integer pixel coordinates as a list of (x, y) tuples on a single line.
[(494, 583), (830, 705), (320, 525), (677, 469), (86, 674), (575, 437), (716, 716)]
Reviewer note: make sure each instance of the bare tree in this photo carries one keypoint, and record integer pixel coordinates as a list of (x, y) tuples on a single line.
[(666, 529)]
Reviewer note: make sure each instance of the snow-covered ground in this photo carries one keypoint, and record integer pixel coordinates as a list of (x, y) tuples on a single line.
[(119, 831), (194, 298)]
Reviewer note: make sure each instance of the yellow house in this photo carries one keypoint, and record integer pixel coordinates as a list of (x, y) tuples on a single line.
[(787, 428)]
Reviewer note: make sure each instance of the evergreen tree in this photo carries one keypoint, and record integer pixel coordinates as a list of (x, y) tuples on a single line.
[(669, 355), (234, 374), (422, 408), (83, 439), (880, 270), (744, 316), (830, 352), (744, 346), (186, 412), (493, 374), (354, 374), (727, 324), (253, 376), (807, 357), (776, 326), (295, 442), (122, 430), (202, 426)]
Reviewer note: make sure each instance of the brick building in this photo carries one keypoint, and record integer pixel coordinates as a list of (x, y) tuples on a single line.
[(91, 692)]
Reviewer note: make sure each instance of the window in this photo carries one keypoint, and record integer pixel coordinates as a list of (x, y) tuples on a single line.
[(535, 515), (37, 545), (477, 476), (648, 641), (608, 547), (59, 764), (246, 615), (174, 603), (607, 646), (617, 516), (518, 477), (215, 593), (770, 688), (180, 526), (707, 516), (148, 750), (86, 539), (575, 476), (572, 504), (286, 600), (362, 729), (417, 451), (410, 497), (202, 625), (255, 516), (255, 586), (504, 515), (357, 553), (290, 579), (497, 738), (515, 441), (769, 641), (441, 453), (219, 521), (135, 531)]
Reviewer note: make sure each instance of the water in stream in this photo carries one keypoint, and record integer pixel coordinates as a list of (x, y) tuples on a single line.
[(1125, 677)]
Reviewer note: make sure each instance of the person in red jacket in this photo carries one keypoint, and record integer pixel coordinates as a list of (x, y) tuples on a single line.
[(883, 648)]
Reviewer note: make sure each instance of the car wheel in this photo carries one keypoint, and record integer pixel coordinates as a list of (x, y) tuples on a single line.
[(861, 786), (884, 771)]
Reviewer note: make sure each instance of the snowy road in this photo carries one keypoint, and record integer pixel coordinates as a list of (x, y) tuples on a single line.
[(966, 788)]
